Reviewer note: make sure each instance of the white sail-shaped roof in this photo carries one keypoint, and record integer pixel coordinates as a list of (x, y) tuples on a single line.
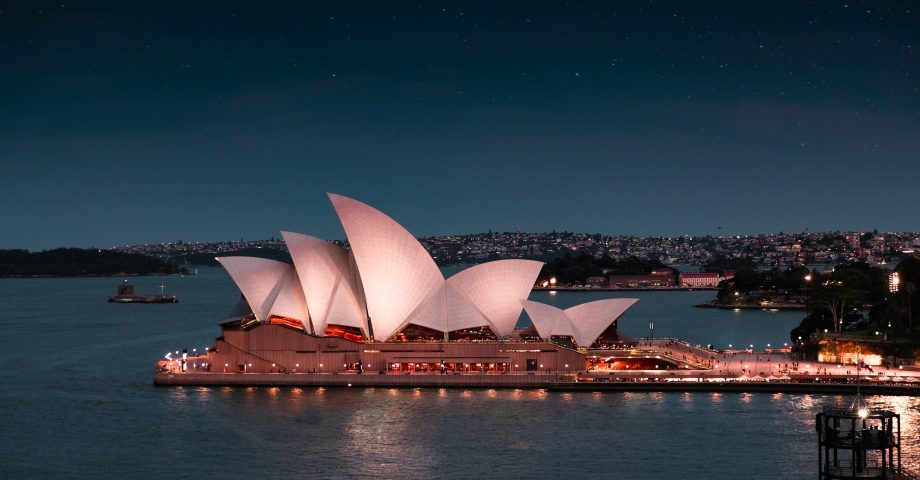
[(584, 322), (592, 318), (496, 289), (395, 270), (545, 318), (259, 280), (461, 313), (329, 282), (290, 301), (432, 313)]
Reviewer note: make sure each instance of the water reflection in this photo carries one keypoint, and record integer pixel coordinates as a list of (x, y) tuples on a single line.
[(538, 394), (909, 409), (204, 393)]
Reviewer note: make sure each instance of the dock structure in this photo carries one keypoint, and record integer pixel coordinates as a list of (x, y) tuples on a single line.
[(859, 443)]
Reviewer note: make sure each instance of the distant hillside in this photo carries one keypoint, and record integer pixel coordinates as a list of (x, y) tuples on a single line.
[(73, 262)]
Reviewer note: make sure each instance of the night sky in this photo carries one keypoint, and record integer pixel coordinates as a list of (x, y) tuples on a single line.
[(136, 122)]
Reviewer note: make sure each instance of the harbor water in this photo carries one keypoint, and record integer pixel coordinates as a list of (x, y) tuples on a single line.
[(78, 402)]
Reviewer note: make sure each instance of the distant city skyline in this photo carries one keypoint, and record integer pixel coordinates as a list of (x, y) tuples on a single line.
[(131, 123), (777, 249), (549, 232)]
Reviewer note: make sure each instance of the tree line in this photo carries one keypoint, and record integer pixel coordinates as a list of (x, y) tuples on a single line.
[(67, 262), (838, 299)]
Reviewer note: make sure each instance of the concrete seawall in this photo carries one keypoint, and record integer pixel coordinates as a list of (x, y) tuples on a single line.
[(738, 387), (366, 380), (550, 382)]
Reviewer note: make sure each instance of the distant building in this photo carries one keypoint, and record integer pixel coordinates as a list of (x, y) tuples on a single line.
[(599, 281), (641, 281), (853, 239), (699, 280), (894, 281)]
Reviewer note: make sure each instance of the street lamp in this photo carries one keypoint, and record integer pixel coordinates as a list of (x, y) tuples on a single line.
[(807, 281)]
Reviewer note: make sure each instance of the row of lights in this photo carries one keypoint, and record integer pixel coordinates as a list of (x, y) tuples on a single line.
[(769, 345)]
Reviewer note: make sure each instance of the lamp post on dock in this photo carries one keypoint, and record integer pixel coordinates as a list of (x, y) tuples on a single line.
[(651, 332)]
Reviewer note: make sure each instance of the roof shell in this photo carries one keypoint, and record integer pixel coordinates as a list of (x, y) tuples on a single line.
[(496, 289), (592, 318), (397, 273), (290, 302), (259, 280), (432, 312), (545, 318), (584, 322), (329, 282)]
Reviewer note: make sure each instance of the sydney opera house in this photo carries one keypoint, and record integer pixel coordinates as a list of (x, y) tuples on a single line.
[(383, 305)]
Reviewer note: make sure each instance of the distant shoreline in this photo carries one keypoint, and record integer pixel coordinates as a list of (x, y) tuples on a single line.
[(79, 262), (624, 289), (99, 275), (752, 306)]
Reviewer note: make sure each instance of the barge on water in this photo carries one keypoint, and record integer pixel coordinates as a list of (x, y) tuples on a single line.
[(126, 295)]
